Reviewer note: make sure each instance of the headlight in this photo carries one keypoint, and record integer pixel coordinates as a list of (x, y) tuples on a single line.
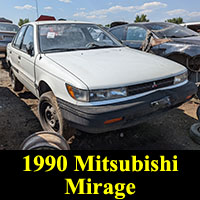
[(96, 95), (100, 95), (78, 94), (180, 78)]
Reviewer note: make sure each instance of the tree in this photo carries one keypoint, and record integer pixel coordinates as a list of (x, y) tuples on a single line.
[(178, 20), (23, 21), (107, 25), (142, 18)]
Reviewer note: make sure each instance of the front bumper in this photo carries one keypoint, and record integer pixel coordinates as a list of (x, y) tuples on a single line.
[(92, 119)]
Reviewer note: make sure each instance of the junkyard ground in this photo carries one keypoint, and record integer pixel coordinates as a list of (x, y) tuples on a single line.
[(19, 119)]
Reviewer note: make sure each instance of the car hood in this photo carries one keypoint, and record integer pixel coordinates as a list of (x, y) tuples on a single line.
[(115, 67), (188, 40)]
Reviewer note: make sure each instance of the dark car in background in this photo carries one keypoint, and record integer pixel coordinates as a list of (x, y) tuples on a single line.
[(7, 32), (169, 40)]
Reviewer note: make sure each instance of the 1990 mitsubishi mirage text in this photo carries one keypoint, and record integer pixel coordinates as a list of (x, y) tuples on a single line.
[(86, 79)]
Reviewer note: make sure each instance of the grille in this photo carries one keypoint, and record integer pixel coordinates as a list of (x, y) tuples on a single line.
[(146, 87)]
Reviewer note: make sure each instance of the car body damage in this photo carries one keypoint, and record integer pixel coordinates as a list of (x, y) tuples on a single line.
[(184, 49), (182, 52)]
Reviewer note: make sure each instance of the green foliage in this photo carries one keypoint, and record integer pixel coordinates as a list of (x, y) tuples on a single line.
[(142, 18), (107, 25), (178, 20), (23, 21)]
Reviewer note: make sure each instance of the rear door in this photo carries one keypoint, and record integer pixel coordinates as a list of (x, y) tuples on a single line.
[(27, 59), (15, 51)]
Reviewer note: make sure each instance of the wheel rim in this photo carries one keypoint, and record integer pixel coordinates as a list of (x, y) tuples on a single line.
[(50, 117)]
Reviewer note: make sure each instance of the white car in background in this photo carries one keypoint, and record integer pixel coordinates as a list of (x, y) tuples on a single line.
[(91, 83), (195, 26)]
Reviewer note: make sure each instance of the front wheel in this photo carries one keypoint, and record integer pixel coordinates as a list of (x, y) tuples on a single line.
[(51, 117)]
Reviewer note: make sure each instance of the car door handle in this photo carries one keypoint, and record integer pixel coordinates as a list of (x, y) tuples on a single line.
[(19, 57)]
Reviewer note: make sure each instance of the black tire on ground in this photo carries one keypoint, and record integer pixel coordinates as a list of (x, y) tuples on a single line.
[(195, 132), (45, 141), (198, 112), (51, 118), (15, 83)]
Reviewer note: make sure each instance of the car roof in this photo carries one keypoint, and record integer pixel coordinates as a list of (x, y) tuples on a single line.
[(151, 23), (57, 22), (190, 23), (142, 24), (7, 23)]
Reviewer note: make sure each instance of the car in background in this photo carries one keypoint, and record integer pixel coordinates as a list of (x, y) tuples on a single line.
[(7, 32), (169, 40), (195, 26), (86, 79)]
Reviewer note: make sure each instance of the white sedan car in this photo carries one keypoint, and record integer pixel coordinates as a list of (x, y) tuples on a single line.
[(86, 79)]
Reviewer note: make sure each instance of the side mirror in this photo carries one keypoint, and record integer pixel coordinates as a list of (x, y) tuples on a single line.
[(30, 49)]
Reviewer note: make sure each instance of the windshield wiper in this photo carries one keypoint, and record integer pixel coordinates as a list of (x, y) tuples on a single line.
[(173, 36), (61, 50), (96, 46)]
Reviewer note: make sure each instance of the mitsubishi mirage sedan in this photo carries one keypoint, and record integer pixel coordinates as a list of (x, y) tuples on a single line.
[(85, 79)]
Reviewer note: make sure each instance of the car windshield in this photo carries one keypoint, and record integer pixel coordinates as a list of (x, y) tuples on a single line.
[(69, 37), (8, 27), (166, 30)]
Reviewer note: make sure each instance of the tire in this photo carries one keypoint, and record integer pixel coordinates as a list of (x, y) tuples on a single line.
[(15, 84), (45, 141), (195, 133), (51, 118), (198, 113)]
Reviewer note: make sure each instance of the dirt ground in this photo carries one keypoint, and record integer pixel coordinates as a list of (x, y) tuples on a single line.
[(19, 119)]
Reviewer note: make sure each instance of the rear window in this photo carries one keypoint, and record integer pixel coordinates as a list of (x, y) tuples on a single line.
[(9, 27)]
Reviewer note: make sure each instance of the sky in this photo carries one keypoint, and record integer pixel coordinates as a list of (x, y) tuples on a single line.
[(101, 11)]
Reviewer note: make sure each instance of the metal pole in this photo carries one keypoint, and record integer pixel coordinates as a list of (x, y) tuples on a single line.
[(37, 8)]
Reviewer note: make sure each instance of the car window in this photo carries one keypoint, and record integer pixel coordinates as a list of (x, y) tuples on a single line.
[(19, 37), (67, 37), (168, 30), (28, 39), (9, 27), (118, 33), (136, 33)]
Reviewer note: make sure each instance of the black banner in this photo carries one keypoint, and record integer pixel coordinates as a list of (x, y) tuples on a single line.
[(100, 174)]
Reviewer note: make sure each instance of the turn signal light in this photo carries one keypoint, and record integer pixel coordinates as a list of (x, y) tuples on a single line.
[(71, 92), (188, 97), (113, 120)]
